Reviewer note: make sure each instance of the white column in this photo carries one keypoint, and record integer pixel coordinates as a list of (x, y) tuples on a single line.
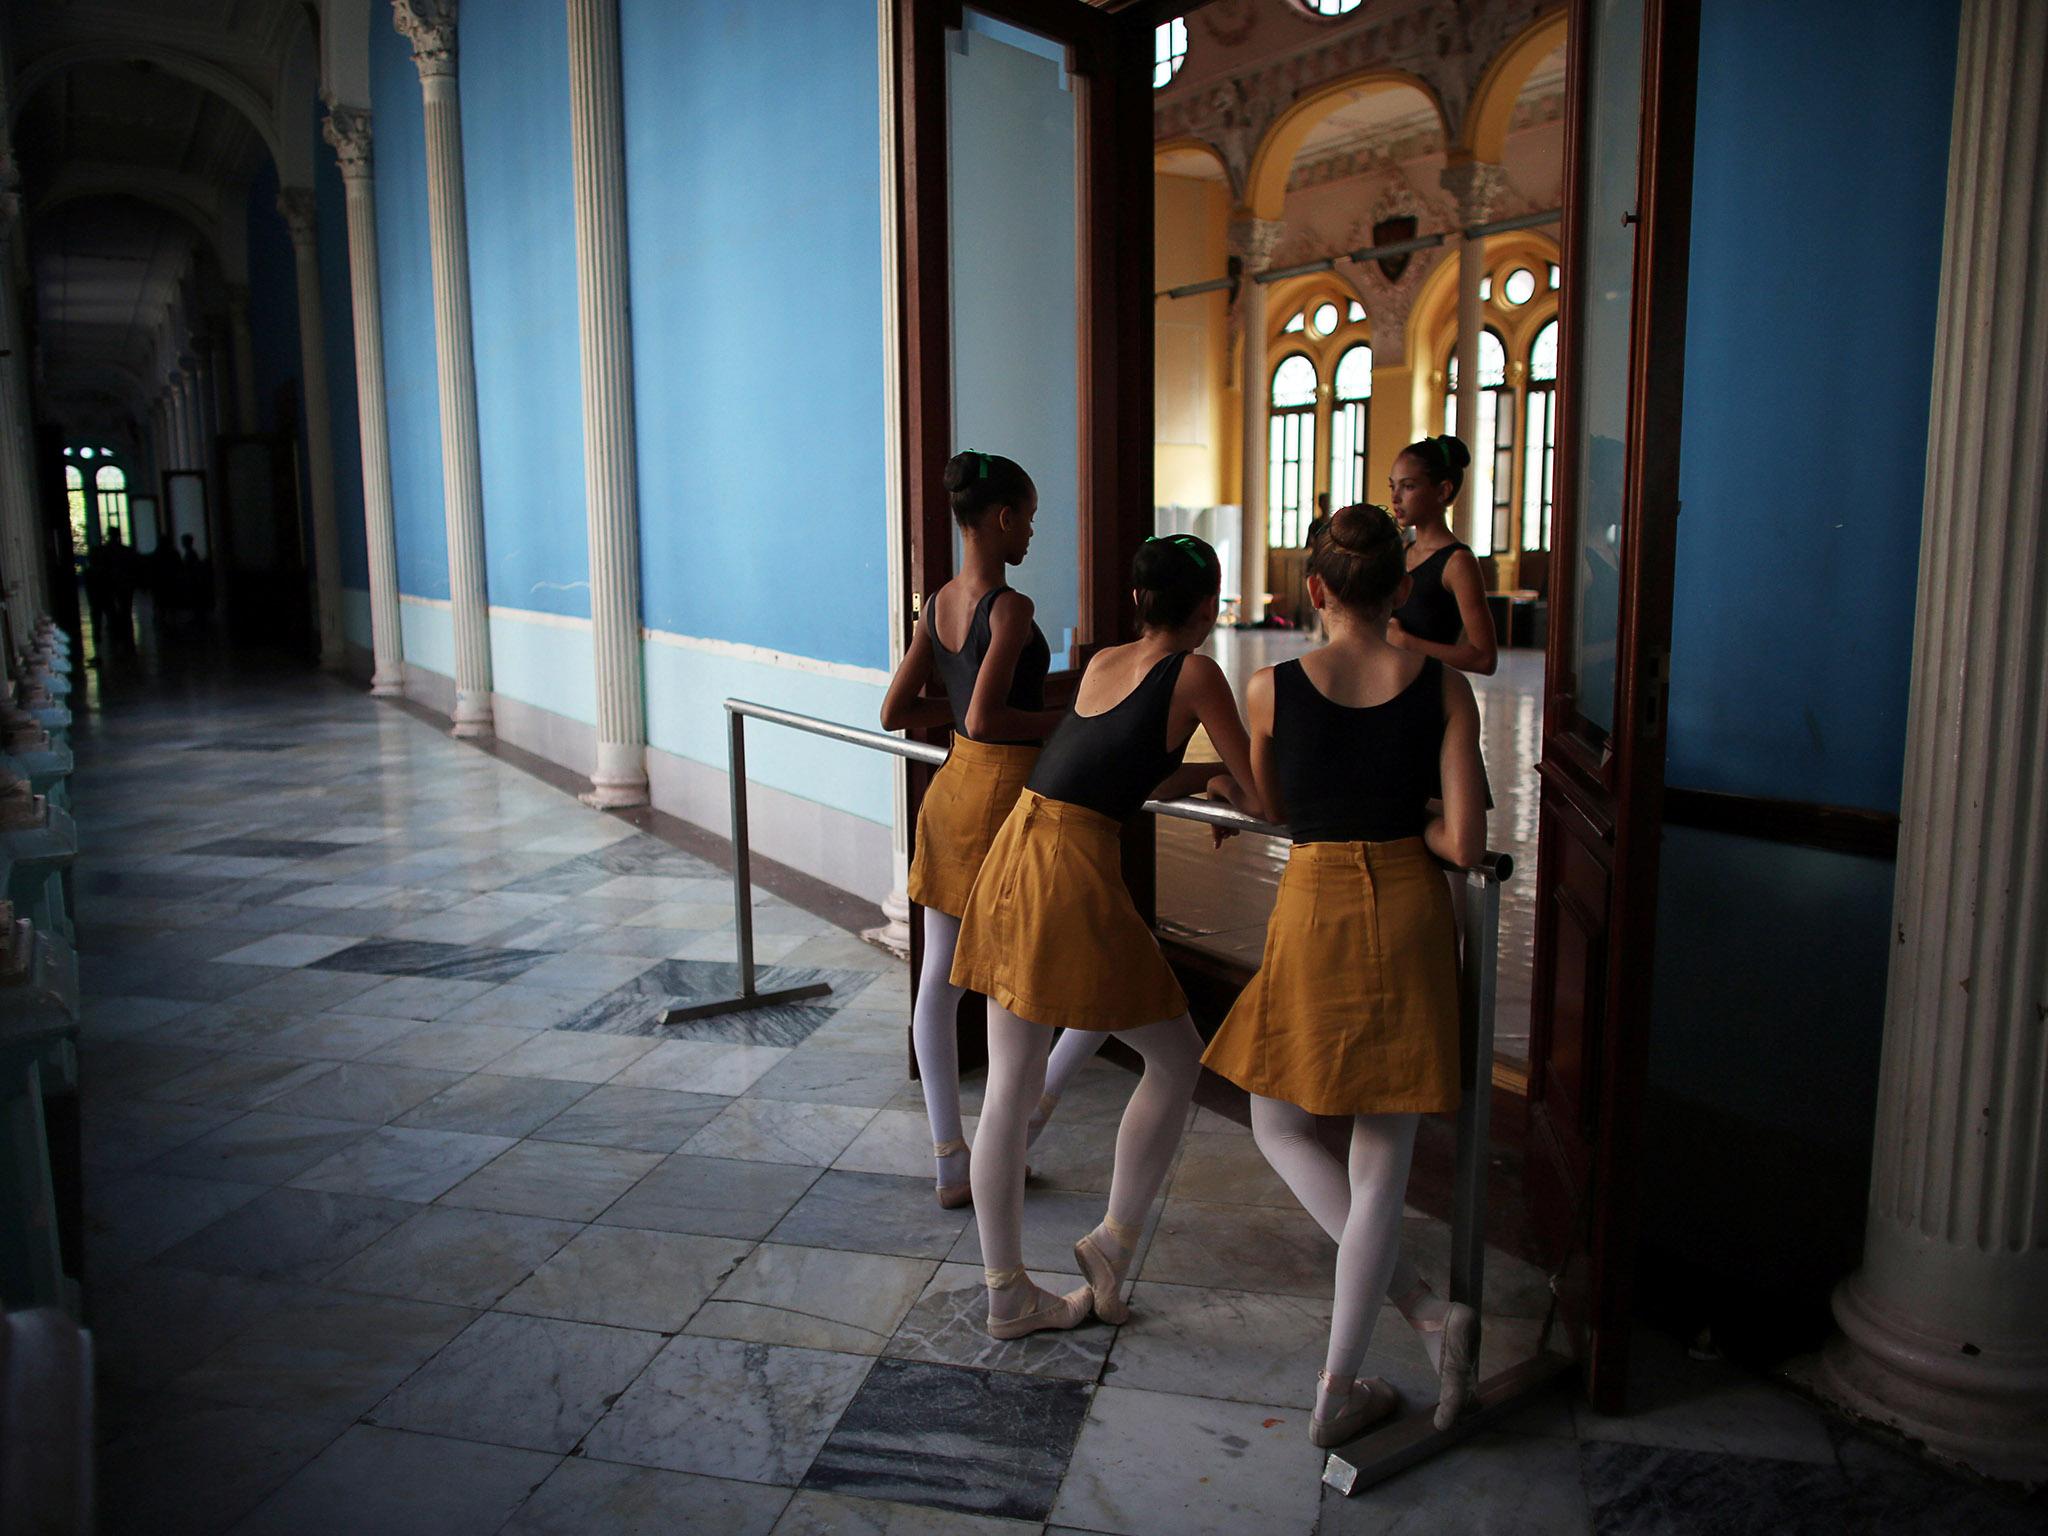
[(610, 464), (1945, 1327), (1479, 187), (1253, 241), (348, 130), (298, 205), (429, 25), (244, 351)]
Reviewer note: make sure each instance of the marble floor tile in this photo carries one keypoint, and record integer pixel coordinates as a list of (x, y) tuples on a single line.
[(628, 1278), (1694, 1405), (569, 971), (207, 981), (771, 1131), (262, 1148), (1159, 1464), (399, 1484), (372, 1093), (1895, 1491), (1269, 1249), (648, 888), (756, 1412), (197, 1467), (948, 1325), (979, 1442), (572, 1057), (239, 1081), (1222, 1169), (229, 1026), (427, 959), (585, 1496), (120, 1018), (862, 1029), (1074, 1158), (120, 1135), (814, 1298), (518, 1007), (450, 1047), (340, 895), (1648, 1490), (309, 991), (1244, 1345), (534, 1382), (403, 1163), (457, 1257), (864, 1078), (685, 920), (896, 1141), (294, 1234), (326, 1354), (417, 997), (1493, 1485), (837, 1514), (333, 1036), (1053, 1223), (156, 1322), (636, 1007), (552, 1178), (630, 939), (873, 1213), (717, 1197), (703, 1066), (644, 1119), (775, 916), (485, 1104), (842, 951), (1513, 1286), (719, 944), (137, 1217), (285, 949)]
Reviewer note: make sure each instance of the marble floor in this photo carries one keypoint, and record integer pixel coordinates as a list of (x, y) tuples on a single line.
[(406, 1216)]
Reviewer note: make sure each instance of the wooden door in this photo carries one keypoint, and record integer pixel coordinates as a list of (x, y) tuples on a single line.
[(1628, 157), (1024, 198)]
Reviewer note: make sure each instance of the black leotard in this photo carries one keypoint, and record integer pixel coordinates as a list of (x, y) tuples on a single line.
[(1357, 774), (959, 669), (1431, 612), (1112, 762)]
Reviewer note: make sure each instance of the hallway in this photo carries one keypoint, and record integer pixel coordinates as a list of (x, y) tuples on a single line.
[(406, 1217)]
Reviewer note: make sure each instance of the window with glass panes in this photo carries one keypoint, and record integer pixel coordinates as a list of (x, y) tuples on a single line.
[(1492, 444), (74, 497), (111, 487), (1291, 452), (1539, 453), (1169, 50), (1350, 425)]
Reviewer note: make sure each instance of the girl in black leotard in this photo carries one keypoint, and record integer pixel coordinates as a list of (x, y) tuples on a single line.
[(1053, 940), (1445, 614), (977, 640)]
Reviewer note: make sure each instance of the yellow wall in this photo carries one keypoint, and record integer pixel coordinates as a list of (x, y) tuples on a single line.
[(1195, 408)]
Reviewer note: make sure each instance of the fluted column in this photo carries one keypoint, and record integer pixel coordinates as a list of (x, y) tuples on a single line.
[(1479, 188), (1945, 1326), (610, 463), (348, 130), (1252, 242), (297, 204), (429, 25), (243, 347)]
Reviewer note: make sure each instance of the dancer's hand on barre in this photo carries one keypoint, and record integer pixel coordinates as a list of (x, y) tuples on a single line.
[(1223, 787)]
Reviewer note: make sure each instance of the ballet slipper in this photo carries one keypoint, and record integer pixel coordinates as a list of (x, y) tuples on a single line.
[(1106, 1276), (1048, 1310), (1460, 1363), (953, 1196), (1047, 1103), (1366, 1403)]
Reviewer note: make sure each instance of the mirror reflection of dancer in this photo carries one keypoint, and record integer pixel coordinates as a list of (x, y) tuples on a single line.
[(993, 678), (1354, 1010), (1052, 939), (1445, 614)]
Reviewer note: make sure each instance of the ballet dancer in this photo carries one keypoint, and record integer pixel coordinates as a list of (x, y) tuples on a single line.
[(1445, 614)]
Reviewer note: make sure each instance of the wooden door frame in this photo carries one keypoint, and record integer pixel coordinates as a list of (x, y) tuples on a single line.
[(1583, 773)]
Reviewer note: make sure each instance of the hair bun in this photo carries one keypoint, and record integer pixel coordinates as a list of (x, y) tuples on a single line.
[(1455, 453), (962, 470), (1361, 528)]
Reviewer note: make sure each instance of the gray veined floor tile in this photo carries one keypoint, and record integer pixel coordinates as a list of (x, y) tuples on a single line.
[(127, 1069), (1493, 1485), (868, 1079), (625, 1277), (399, 1484), (262, 1148), (1251, 1346), (1053, 1223), (1224, 1170), (417, 997), (949, 1326), (401, 1163), (643, 1119), (771, 1131), (447, 1047), (570, 1056), (289, 950), (585, 1496), (814, 1298), (756, 1412), (703, 1066), (197, 1467), (812, 1513), (120, 1135), (896, 1141), (519, 1007), (369, 1092), (425, 959), (229, 1026), (290, 1234), (1241, 1247), (334, 1036), (485, 1104), (240, 1080), (533, 1382), (717, 1197), (159, 1321), (586, 969), (1711, 1406), (873, 1213), (309, 991), (558, 1179), (140, 1216), (116, 1018), (457, 1257)]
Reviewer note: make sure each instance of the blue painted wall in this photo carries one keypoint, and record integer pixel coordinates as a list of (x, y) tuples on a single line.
[(338, 315), (753, 177), (405, 275), (1818, 187), (274, 322), (522, 266)]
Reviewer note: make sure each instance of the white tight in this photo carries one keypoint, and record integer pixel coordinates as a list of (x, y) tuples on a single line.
[(1360, 1208), (1074, 1049), (1145, 1142), (935, 1037)]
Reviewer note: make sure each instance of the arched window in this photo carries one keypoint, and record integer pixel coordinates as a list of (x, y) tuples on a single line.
[(1350, 426), (1540, 455), (1492, 445), (74, 496), (1291, 452), (1332, 8), (111, 487), (1169, 50)]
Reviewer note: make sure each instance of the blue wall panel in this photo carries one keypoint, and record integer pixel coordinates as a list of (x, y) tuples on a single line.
[(1818, 187), (338, 314), (753, 177), (522, 267), (405, 275)]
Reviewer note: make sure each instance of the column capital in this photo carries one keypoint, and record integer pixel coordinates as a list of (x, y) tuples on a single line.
[(348, 130), (1253, 241), (298, 205), (1480, 187), (429, 25)]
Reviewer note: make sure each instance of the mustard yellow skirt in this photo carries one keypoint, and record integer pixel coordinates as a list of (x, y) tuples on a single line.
[(1354, 1010), (1051, 932), (958, 819)]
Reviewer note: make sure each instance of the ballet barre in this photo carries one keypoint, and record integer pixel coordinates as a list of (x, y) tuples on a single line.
[(1415, 1437)]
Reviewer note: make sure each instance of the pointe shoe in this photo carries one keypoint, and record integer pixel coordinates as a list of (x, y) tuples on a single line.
[(953, 1196), (1367, 1403), (1106, 1276), (1048, 1311), (1459, 1364), (1035, 1128)]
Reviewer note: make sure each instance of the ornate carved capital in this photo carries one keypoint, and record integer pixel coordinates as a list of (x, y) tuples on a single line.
[(348, 130), (429, 25), (1480, 187), (297, 204), (1253, 241)]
